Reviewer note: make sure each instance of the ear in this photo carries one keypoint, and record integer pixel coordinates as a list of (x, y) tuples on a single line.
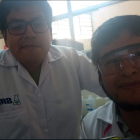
[(101, 81), (51, 33), (4, 37), (102, 84), (3, 34)]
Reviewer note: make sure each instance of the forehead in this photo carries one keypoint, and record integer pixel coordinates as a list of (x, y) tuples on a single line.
[(25, 13), (125, 39)]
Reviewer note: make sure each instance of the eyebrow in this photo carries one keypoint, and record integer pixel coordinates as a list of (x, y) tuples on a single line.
[(18, 19)]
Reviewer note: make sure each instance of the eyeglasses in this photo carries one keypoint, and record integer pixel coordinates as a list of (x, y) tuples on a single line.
[(19, 27), (112, 62)]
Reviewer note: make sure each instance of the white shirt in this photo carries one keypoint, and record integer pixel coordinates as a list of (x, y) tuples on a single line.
[(53, 108), (101, 123)]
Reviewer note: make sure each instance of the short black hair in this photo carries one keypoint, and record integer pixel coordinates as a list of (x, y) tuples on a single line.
[(7, 5), (110, 30)]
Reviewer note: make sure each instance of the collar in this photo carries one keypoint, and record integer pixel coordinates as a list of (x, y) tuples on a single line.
[(107, 112), (122, 125), (54, 54), (8, 60)]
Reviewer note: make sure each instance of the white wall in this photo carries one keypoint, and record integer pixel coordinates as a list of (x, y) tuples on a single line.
[(86, 43), (2, 44), (123, 8), (85, 94), (103, 14)]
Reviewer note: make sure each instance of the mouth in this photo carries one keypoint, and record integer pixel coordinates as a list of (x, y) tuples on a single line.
[(132, 85), (29, 46)]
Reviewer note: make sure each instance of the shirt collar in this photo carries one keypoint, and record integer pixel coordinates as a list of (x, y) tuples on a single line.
[(54, 54), (107, 112), (7, 59), (122, 125)]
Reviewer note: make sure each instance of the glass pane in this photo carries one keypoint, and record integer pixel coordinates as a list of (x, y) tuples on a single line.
[(58, 7), (76, 5), (86, 28), (83, 29), (60, 29)]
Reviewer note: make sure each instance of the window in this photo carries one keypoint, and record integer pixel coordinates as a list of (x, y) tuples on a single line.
[(58, 7), (82, 26), (77, 5), (60, 29), (83, 29)]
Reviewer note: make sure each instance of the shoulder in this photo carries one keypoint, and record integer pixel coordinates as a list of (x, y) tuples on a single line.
[(96, 120), (2, 53), (69, 54), (100, 113), (65, 50)]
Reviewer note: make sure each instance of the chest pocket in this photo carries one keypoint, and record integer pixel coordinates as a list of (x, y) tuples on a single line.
[(14, 124)]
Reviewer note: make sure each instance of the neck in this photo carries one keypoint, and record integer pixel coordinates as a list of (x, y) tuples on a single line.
[(132, 120), (31, 67)]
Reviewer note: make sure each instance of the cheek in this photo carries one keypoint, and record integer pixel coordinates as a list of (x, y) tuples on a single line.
[(46, 38), (12, 40), (110, 83), (45, 41)]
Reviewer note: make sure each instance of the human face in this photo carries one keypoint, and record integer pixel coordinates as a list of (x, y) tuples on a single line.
[(29, 48), (123, 88)]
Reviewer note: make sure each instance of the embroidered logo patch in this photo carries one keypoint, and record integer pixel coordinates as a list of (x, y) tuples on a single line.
[(5, 101), (16, 100), (9, 100)]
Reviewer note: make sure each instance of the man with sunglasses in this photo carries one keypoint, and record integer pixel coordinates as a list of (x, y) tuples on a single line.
[(40, 84), (116, 54)]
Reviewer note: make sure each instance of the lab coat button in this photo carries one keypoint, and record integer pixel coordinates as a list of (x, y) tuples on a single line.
[(45, 130), (39, 95)]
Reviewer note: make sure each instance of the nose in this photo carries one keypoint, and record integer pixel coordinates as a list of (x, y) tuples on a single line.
[(29, 32), (128, 68)]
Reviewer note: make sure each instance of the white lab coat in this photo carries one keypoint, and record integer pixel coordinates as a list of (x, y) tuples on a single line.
[(95, 123), (53, 108)]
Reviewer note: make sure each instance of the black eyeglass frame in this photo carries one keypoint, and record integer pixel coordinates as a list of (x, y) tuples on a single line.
[(26, 23)]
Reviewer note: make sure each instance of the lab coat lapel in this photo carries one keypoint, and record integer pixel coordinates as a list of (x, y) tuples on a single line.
[(115, 129), (107, 115), (45, 68), (25, 75)]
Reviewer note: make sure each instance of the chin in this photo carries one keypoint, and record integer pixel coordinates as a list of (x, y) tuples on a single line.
[(126, 106), (128, 102)]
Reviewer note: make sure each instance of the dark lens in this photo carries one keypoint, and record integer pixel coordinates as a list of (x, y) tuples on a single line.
[(16, 27), (40, 26)]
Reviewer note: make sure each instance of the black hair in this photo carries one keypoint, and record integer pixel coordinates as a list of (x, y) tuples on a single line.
[(108, 32), (7, 5), (111, 30)]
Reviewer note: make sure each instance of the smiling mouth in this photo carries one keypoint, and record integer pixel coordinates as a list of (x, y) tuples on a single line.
[(132, 85)]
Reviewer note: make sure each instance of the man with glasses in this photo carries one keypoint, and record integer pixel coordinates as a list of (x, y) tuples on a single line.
[(116, 54), (40, 84)]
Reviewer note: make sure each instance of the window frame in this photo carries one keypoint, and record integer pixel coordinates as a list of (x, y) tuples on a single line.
[(71, 14)]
